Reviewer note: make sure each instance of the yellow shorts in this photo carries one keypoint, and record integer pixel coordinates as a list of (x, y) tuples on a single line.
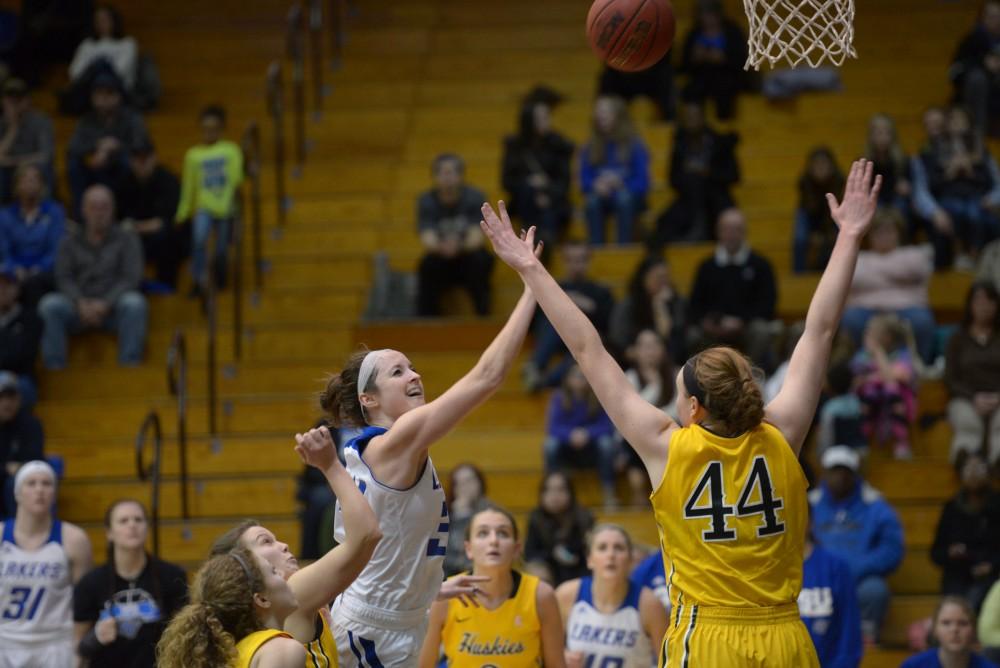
[(716, 637)]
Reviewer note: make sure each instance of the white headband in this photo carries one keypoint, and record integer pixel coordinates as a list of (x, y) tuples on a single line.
[(366, 372), (36, 466)]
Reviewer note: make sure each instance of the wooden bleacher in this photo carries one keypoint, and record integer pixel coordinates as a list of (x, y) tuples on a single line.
[(420, 77)]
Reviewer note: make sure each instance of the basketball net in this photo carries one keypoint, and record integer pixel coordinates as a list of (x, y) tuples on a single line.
[(797, 31)]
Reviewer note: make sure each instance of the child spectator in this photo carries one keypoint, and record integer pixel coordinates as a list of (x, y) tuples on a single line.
[(886, 384), (652, 302), (555, 543), (953, 630), (815, 230), (882, 147), (614, 171), (579, 432), (840, 415), (466, 496)]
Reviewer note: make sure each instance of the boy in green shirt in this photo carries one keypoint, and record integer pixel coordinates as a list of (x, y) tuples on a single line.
[(213, 171)]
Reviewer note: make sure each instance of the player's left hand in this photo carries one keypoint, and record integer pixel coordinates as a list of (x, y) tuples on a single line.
[(316, 448), (463, 587)]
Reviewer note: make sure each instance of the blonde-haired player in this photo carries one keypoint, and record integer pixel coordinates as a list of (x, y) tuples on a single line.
[(729, 495), (514, 620)]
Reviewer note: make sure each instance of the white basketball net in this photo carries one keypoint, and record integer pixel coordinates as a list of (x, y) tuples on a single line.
[(797, 31)]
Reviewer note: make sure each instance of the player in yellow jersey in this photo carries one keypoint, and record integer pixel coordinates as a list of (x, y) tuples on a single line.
[(316, 585), (729, 496), (514, 619), (238, 606)]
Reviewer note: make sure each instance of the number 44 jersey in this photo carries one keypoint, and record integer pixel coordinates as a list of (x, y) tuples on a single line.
[(732, 515)]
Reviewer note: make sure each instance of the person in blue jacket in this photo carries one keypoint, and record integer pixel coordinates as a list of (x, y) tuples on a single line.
[(651, 574), (853, 521), (953, 633)]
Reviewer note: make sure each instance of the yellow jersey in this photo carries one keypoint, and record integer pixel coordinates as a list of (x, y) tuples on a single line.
[(322, 651), (732, 515), (249, 645), (508, 637)]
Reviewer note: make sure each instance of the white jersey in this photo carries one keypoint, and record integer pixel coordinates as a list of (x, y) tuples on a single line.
[(615, 640), (404, 575), (36, 591)]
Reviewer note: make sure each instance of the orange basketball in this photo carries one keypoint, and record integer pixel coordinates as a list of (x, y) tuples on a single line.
[(630, 35)]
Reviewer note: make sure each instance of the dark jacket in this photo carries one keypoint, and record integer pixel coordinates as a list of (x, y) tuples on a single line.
[(550, 536), (714, 150), (20, 333), (156, 197), (125, 125), (746, 290), (99, 272), (978, 530), (972, 52), (735, 49), (549, 155)]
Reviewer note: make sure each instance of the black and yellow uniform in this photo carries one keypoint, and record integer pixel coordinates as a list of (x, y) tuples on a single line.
[(249, 645)]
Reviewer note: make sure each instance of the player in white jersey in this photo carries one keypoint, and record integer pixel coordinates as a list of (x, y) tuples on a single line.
[(610, 621), (381, 619), (41, 559)]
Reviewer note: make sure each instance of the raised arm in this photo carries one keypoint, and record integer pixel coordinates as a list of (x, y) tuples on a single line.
[(792, 410), (644, 426)]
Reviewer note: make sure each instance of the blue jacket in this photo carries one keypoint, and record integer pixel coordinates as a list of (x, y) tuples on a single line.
[(651, 574), (863, 529), (562, 421), (32, 246), (828, 604), (635, 174), (929, 659)]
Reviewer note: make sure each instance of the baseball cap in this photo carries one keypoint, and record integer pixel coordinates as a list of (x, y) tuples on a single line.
[(8, 382), (841, 455)]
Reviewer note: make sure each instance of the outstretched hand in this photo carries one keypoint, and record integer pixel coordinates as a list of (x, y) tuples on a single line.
[(316, 448), (854, 213), (463, 587), (518, 252)]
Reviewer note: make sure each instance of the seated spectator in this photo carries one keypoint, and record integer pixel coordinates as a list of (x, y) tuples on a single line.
[(703, 168), (894, 279), (828, 605), (953, 630), (448, 218), (989, 624), (815, 230), (20, 333), (579, 433), (967, 540), (30, 231), (102, 141), (972, 376), (26, 137), (714, 52), (555, 543), (213, 171), (975, 70), (886, 383), (652, 302), (21, 439), (614, 171), (989, 264), (852, 521), (734, 295), (840, 415), (150, 195), (593, 298), (655, 83), (956, 186), (466, 497), (106, 52), (98, 270), (891, 163), (536, 170)]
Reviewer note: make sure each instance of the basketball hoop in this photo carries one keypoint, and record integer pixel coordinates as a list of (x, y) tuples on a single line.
[(810, 31)]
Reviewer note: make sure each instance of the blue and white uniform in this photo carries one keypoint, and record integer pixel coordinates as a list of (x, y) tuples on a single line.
[(615, 640), (381, 619), (828, 605), (36, 603)]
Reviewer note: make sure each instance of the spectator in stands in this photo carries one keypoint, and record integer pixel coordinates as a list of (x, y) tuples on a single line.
[(989, 624), (26, 137), (734, 295), (953, 630), (21, 439), (652, 302), (20, 332), (989, 264), (579, 433), (213, 171), (655, 83), (885, 380), (967, 540), (972, 375), (703, 168), (815, 230), (448, 218), (555, 543), (975, 70), (882, 147), (536, 169), (108, 51), (614, 171), (713, 56), (894, 279), (788, 340), (120, 609), (956, 186), (852, 521), (828, 605), (466, 497), (98, 270), (593, 298), (149, 198), (30, 231), (840, 415), (99, 148)]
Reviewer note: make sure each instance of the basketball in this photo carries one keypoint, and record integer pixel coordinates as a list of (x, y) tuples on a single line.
[(630, 35)]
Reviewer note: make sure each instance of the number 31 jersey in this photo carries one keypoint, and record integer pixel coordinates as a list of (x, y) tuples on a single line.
[(36, 591), (732, 516)]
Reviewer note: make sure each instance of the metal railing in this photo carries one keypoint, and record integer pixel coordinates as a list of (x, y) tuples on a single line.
[(276, 108), (337, 11), (177, 384), (151, 425), (251, 167), (316, 56), (296, 48)]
